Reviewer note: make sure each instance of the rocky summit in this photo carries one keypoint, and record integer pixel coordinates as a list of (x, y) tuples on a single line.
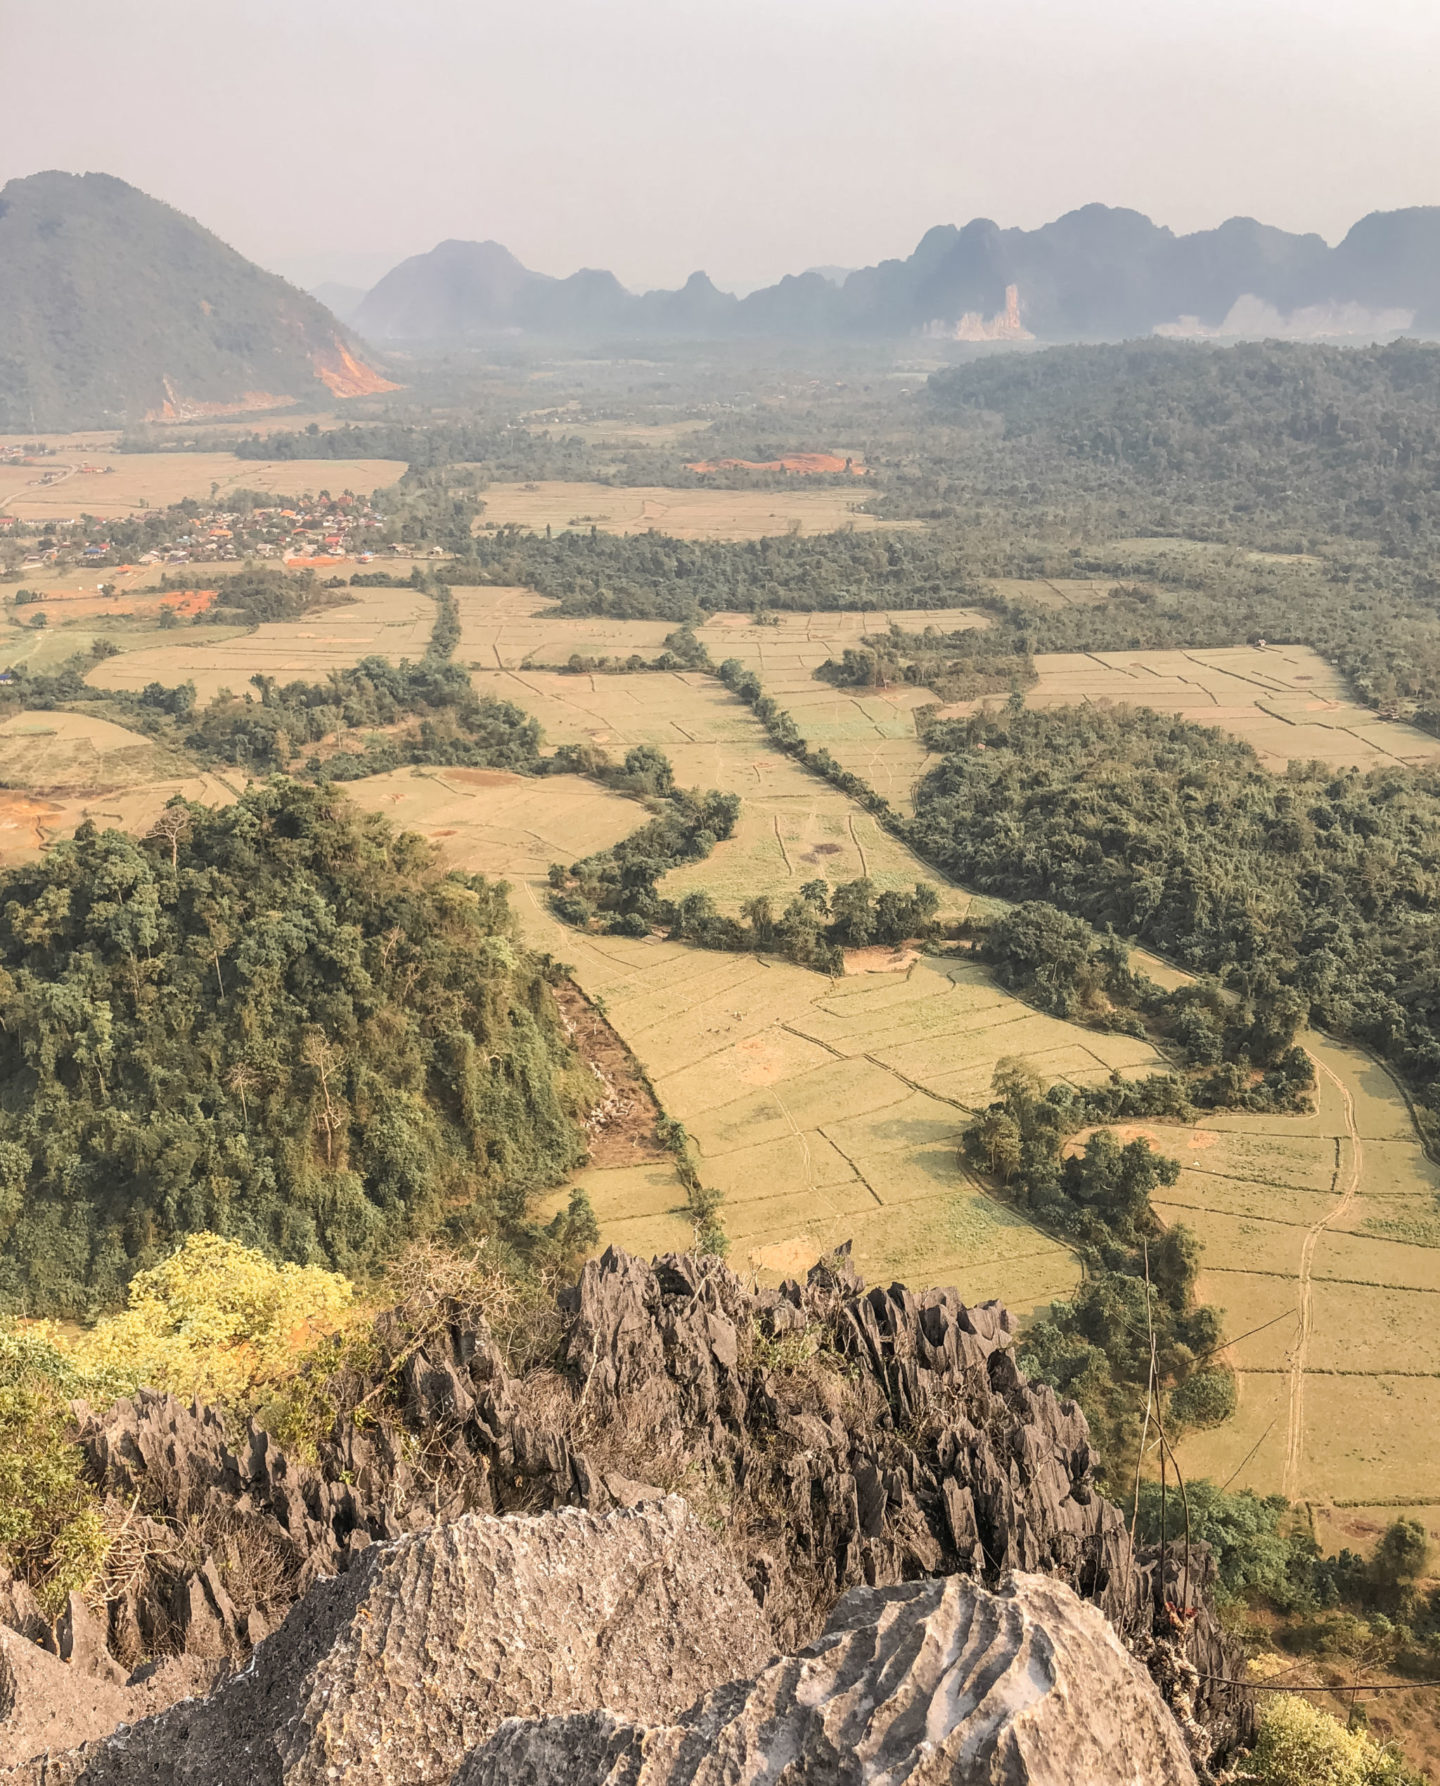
[(927, 1682), (876, 1493)]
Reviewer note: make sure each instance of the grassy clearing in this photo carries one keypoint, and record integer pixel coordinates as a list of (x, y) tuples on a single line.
[(683, 514), (1285, 700), (392, 623), (48, 649), (123, 483)]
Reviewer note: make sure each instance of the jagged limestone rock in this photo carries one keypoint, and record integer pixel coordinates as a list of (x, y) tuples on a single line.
[(920, 1449), (927, 1683), (390, 1672)]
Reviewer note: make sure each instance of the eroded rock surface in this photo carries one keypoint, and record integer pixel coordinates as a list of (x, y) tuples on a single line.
[(390, 1672), (836, 1437), (930, 1682)]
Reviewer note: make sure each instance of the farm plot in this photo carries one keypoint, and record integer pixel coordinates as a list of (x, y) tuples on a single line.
[(869, 732), (1319, 1237), (684, 514), (62, 768), (793, 827), (106, 484), (1285, 700), (825, 1110), (392, 623)]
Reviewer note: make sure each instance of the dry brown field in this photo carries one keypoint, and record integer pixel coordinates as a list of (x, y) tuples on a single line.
[(1285, 700), (685, 514), (392, 623), (125, 483), (63, 768)]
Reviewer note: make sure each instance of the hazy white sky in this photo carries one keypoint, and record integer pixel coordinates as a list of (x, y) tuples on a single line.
[(748, 137)]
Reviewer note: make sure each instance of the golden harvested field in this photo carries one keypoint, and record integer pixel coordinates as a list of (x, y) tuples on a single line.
[(793, 827), (392, 623), (1309, 1228), (872, 733), (685, 514), (123, 483), (825, 1110), (1285, 700)]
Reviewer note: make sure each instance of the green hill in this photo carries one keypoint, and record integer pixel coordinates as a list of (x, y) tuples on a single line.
[(284, 1022), (114, 307)]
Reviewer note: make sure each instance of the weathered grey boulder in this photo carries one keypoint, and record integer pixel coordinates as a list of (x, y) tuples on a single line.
[(392, 1671), (51, 1706), (931, 1682)]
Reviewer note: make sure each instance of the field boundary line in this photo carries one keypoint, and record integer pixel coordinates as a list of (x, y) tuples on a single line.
[(830, 1139), (1295, 1435)]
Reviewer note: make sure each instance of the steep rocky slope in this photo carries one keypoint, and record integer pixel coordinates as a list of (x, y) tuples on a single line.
[(114, 306)]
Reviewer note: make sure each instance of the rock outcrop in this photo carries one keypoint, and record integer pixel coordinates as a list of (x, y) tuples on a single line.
[(933, 1681), (836, 1437), (392, 1671)]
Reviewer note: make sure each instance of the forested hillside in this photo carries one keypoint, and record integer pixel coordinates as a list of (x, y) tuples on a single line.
[(280, 1020), (1228, 443)]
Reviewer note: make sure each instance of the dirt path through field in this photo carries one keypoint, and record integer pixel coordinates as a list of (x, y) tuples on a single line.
[(1350, 1175)]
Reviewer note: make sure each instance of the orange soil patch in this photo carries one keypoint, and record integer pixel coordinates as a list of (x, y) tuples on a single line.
[(345, 376), (805, 464), (23, 816), (81, 604), (880, 958), (793, 1258)]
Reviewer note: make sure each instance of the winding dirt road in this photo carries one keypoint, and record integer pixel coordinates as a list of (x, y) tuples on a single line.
[(1347, 1182)]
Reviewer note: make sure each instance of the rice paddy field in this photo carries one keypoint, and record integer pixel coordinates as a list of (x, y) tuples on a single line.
[(58, 769), (1322, 1232), (700, 514), (825, 1110), (828, 1109), (870, 732), (793, 825), (391, 623), (1285, 700), (74, 483)]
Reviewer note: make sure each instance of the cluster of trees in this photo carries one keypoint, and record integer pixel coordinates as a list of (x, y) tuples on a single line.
[(619, 885), (1234, 1043), (280, 1021), (1318, 889), (1136, 1310), (653, 577), (958, 666), (1271, 438)]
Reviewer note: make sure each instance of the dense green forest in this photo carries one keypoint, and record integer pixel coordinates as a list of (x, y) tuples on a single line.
[(1316, 891), (280, 1020), (1229, 443)]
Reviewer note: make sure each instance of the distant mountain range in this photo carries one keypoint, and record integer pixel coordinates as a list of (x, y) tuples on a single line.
[(114, 307), (1095, 274)]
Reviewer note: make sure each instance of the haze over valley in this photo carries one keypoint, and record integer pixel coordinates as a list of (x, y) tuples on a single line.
[(720, 996)]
